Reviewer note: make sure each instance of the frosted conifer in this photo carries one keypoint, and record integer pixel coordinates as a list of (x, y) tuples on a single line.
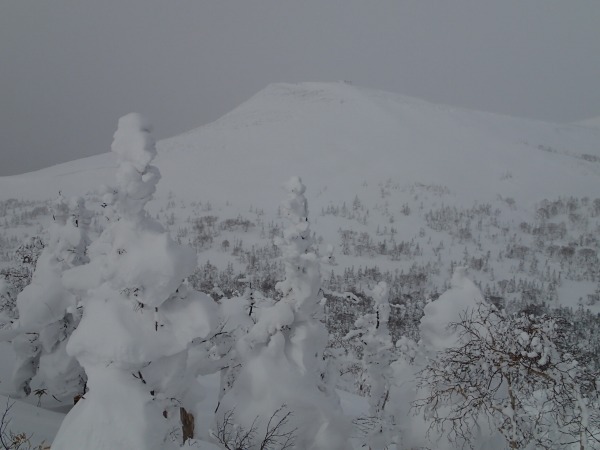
[(139, 318), (283, 362), (47, 310)]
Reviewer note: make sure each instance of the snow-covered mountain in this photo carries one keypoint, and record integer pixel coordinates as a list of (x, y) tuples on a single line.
[(398, 189), (391, 180), (337, 137)]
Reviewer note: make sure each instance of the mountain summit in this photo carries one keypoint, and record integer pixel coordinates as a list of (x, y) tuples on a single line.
[(338, 136)]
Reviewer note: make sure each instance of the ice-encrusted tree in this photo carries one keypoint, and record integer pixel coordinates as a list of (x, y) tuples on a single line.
[(377, 356), (509, 372), (47, 310), (139, 318), (437, 335), (491, 375), (13, 280), (435, 328), (283, 353)]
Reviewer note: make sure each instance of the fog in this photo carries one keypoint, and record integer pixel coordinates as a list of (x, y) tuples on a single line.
[(70, 68)]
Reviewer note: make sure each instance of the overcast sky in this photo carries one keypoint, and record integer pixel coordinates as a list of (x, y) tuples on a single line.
[(70, 68)]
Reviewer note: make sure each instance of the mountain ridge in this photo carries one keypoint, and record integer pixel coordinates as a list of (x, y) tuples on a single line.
[(331, 133)]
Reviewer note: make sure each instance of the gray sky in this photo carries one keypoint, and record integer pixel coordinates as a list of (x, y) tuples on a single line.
[(70, 68)]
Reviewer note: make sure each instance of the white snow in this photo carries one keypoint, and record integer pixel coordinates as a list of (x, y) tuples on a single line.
[(40, 425), (137, 325), (462, 297), (341, 138), (356, 135)]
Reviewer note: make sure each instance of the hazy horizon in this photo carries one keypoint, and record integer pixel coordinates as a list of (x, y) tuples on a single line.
[(70, 70)]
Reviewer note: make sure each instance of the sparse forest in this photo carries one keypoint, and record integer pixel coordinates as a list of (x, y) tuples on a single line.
[(460, 326)]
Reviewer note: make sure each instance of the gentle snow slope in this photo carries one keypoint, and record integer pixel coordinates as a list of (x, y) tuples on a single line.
[(337, 136), (593, 122)]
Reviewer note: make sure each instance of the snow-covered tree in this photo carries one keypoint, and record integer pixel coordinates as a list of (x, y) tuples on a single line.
[(7, 303), (403, 426), (437, 334), (236, 315), (46, 309), (14, 278), (284, 364), (509, 373), (377, 356), (139, 319), (434, 329)]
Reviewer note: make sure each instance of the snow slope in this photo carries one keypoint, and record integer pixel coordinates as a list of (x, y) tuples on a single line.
[(337, 136), (39, 424), (347, 141), (593, 122)]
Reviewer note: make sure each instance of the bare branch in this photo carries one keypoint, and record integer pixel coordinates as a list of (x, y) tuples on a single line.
[(511, 372), (277, 435)]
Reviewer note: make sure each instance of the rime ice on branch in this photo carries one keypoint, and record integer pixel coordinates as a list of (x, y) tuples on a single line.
[(462, 296)]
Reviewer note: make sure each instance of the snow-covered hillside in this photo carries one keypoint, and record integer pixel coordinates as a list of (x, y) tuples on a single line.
[(399, 190), (387, 169), (337, 137)]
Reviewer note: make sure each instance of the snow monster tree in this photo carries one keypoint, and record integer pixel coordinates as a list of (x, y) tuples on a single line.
[(138, 318), (284, 375)]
